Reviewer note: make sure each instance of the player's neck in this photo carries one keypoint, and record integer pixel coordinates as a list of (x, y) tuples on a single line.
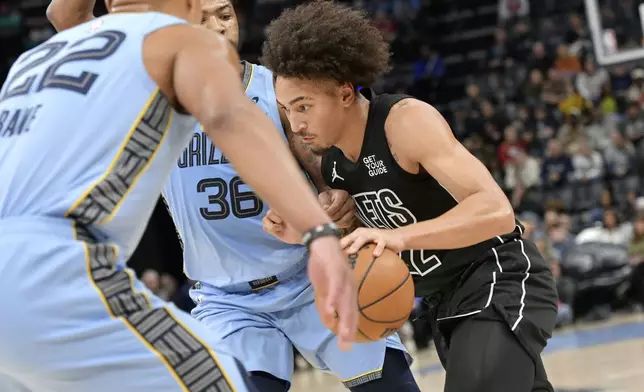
[(128, 6), (136, 6), (353, 133)]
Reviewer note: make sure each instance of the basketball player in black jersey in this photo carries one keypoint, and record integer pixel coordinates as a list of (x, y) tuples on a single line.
[(419, 192)]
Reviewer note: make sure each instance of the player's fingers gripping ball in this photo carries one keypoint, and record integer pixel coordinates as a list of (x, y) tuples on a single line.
[(385, 294)]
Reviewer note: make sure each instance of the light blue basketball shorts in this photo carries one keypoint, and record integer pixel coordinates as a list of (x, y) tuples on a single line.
[(72, 322), (260, 328)]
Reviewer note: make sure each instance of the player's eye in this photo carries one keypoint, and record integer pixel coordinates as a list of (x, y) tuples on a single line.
[(303, 108), (226, 17)]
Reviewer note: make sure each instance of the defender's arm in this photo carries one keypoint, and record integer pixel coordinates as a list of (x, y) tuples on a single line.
[(198, 71), (203, 78), (65, 14), (422, 135)]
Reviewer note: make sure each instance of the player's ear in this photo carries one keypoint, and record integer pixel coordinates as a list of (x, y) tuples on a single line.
[(347, 94)]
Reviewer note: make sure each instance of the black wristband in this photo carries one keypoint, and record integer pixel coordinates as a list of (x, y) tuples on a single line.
[(326, 230)]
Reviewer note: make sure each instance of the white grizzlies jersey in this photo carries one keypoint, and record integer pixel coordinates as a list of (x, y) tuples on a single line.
[(218, 217), (85, 133)]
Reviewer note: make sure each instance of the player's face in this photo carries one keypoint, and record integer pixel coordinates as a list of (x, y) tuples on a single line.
[(315, 110), (219, 16)]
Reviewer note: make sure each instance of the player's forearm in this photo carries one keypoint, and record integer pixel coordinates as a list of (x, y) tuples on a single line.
[(65, 14), (260, 156), (477, 218)]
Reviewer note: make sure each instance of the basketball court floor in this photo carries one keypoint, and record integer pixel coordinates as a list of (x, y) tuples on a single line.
[(599, 357)]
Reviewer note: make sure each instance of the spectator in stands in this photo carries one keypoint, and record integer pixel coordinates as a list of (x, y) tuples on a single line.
[(554, 89), (429, 66), (634, 125), (539, 58), (533, 89), (473, 99), (510, 140), (576, 30), (383, 23), (574, 103), (555, 173), (589, 83), (635, 93), (523, 179), (620, 81), (587, 163), (513, 9), (498, 53), (572, 130), (599, 130), (611, 231), (620, 164), (588, 175), (566, 62), (607, 102)]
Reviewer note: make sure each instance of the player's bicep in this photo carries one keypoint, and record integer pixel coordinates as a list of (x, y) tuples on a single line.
[(205, 79), (427, 139)]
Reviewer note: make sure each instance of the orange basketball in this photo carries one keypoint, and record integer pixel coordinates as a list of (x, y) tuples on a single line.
[(385, 293)]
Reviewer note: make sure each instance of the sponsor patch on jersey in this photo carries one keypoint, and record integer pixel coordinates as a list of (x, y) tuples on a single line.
[(263, 283)]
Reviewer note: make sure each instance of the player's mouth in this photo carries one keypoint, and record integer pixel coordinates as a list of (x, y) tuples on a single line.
[(308, 139)]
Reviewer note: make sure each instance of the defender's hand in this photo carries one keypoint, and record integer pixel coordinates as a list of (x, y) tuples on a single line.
[(275, 225), (389, 239), (335, 288), (340, 207)]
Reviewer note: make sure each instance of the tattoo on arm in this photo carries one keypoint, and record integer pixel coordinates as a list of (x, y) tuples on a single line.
[(393, 153), (401, 104)]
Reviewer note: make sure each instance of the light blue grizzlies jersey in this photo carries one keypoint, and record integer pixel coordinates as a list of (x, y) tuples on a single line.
[(85, 133), (217, 216)]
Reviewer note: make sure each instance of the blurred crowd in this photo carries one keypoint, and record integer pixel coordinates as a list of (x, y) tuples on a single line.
[(518, 83)]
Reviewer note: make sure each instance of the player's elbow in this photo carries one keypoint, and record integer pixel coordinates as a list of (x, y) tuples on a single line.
[(503, 217), (224, 117)]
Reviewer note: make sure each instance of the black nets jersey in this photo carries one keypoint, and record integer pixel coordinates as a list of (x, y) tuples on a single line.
[(388, 197)]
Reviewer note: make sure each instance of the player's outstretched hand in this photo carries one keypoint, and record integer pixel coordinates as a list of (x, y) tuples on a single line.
[(340, 207), (275, 225), (389, 239), (335, 288)]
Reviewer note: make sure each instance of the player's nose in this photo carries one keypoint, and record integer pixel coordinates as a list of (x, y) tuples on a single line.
[(212, 23), (300, 127)]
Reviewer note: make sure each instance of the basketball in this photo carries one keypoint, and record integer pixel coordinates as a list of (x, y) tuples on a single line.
[(385, 293)]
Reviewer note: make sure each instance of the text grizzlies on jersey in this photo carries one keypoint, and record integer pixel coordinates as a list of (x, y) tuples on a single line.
[(375, 166)]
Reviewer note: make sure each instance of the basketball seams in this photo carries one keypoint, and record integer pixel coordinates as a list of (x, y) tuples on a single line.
[(386, 294)]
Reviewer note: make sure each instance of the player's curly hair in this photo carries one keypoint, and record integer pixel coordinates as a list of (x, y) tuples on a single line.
[(323, 40)]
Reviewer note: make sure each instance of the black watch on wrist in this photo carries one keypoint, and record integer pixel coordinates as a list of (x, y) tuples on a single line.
[(325, 230)]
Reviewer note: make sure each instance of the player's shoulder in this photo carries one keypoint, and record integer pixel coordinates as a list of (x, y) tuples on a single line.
[(414, 126), (408, 111)]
